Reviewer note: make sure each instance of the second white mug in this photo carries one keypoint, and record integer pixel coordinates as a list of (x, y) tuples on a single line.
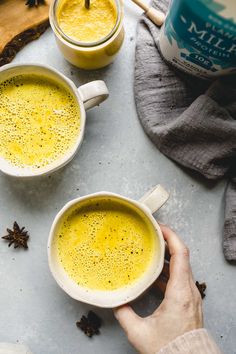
[(86, 96)]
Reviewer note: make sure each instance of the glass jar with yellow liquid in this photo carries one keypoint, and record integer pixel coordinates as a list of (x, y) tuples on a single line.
[(89, 38)]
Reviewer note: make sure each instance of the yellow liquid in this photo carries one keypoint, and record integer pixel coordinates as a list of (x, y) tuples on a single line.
[(105, 244), (39, 121), (87, 25)]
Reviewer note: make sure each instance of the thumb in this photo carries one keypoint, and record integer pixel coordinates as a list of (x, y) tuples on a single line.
[(127, 318)]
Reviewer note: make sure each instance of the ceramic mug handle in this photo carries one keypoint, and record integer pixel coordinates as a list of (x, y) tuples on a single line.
[(155, 198), (93, 93)]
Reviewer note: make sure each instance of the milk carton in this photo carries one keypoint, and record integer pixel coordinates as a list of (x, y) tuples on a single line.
[(199, 37)]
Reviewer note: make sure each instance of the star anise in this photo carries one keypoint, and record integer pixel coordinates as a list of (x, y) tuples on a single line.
[(202, 288), (32, 3), (18, 236), (90, 325)]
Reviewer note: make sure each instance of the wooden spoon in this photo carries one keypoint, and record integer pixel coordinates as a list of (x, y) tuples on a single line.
[(156, 16), (87, 4)]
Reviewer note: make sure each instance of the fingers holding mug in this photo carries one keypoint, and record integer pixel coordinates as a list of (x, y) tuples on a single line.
[(180, 269)]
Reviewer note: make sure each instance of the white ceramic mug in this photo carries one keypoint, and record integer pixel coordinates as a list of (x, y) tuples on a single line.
[(87, 96), (148, 204)]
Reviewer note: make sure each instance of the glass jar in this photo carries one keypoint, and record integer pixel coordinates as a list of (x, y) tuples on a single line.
[(90, 55)]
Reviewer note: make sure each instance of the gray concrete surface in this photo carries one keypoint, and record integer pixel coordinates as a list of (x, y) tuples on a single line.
[(116, 156)]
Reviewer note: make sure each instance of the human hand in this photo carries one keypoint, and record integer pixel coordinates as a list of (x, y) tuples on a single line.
[(180, 311)]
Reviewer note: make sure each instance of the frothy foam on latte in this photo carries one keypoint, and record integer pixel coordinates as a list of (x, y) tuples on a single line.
[(105, 244), (40, 121)]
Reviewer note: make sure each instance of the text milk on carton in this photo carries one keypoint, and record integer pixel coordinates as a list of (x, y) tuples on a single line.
[(199, 37)]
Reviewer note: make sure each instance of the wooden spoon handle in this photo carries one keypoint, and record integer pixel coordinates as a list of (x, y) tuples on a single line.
[(141, 4), (87, 4), (155, 15)]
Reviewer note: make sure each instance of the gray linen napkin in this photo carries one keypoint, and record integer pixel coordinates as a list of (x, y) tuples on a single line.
[(190, 120)]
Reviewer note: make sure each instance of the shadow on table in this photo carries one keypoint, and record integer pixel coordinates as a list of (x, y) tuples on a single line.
[(148, 302), (198, 177), (37, 191), (81, 77), (144, 306)]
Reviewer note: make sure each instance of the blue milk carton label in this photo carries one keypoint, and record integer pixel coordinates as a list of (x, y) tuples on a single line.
[(199, 37)]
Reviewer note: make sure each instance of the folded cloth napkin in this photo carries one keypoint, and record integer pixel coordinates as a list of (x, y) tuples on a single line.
[(190, 120)]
